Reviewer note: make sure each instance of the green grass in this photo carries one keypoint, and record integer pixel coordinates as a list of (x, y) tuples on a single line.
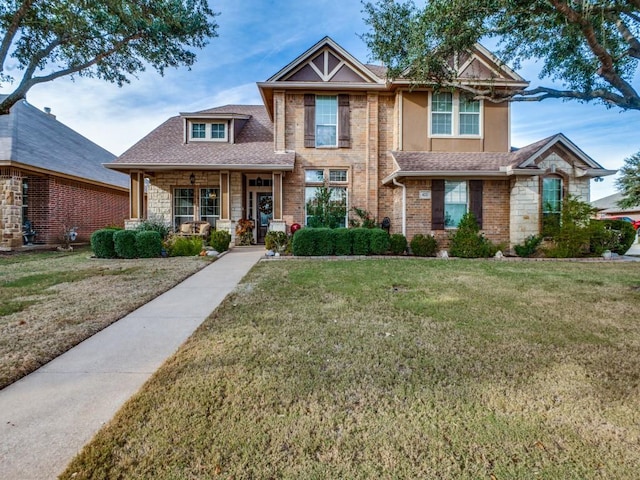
[(395, 369)]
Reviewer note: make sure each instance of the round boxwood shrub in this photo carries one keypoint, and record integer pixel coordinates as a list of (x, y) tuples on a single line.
[(361, 238), (468, 242), (102, 243), (342, 241), (220, 240), (124, 242), (424, 245), (303, 241), (378, 241), (148, 243), (397, 244)]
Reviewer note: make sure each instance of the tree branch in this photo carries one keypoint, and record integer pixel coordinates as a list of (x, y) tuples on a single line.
[(634, 44), (12, 30)]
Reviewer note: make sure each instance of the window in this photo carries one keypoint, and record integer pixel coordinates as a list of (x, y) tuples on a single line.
[(218, 131), (326, 121), (183, 206), (25, 200), (551, 204), (198, 130), (325, 204), (210, 205), (455, 203), (454, 114)]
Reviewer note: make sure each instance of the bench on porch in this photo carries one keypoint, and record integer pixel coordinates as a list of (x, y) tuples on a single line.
[(198, 228)]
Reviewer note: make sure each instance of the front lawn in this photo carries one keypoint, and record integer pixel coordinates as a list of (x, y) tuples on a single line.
[(395, 369)]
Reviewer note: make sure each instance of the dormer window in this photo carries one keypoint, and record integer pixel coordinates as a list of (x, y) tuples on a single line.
[(213, 132)]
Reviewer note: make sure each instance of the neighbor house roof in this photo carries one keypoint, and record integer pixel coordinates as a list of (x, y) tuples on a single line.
[(610, 205), (520, 161), (166, 148), (34, 140)]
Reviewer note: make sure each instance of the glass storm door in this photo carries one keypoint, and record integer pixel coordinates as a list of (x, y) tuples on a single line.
[(265, 214)]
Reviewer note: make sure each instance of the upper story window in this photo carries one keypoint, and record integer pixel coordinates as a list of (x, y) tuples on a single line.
[(326, 121), (454, 114), (215, 131)]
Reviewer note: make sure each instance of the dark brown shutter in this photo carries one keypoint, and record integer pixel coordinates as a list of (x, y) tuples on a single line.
[(475, 200), (437, 204), (344, 138), (309, 120)]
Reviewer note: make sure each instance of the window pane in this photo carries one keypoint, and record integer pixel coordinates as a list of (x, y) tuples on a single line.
[(337, 175), (326, 121), (469, 105), (551, 195), (313, 176), (198, 130), (218, 131), (183, 206), (209, 205), (455, 203), (330, 211), (469, 124), (442, 102), (441, 124)]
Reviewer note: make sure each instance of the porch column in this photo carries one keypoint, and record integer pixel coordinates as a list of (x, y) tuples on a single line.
[(10, 209), (136, 195), (225, 196), (277, 196)]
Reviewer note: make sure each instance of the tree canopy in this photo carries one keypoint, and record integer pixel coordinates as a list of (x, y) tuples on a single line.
[(629, 182), (590, 47), (41, 40)]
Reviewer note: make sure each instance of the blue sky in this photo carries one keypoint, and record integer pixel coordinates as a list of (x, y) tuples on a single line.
[(259, 37)]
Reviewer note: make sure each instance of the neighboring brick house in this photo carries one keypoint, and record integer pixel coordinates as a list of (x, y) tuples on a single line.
[(420, 157), (53, 177)]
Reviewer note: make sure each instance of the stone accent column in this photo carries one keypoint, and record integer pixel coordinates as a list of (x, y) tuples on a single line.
[(10, 209), (525, 209), (279, 121), (372, 153)]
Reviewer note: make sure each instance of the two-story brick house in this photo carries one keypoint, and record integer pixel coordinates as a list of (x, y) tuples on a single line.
[(418, 156)]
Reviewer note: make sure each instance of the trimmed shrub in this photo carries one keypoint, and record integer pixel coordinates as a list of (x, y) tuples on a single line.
[(276, 241), (220, 240), (573, 238), (102, 243), (148, 244), (529, 247), (397, 244), (468, 242), (424, 245), (303, 242), (361, 241), (614, 235), (185, 247), (379, 241), (154, 226), (124, 242), (323, 244), (342, 241)]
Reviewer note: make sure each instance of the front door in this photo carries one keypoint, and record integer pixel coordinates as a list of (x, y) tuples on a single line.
[(265, 214)]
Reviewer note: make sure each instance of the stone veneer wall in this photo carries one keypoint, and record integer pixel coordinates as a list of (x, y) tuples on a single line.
[(525, 208), (10, 209)]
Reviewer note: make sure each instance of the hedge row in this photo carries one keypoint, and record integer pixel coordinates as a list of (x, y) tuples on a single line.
[(340, 241), (112, 243)]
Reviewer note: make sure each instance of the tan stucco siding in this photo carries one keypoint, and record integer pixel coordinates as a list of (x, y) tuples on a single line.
[(415, 121), (496, 127)]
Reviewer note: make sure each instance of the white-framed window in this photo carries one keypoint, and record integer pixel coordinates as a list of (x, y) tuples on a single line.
[(455, 114), (314, 176), (209, 205), (338, 176), (326, 198), (198, 131), (552, 189), (219, 131), (212, 132), (456, 202), (183, 206), (326, 121)]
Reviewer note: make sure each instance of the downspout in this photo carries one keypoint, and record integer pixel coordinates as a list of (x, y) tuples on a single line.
[(404, 205)]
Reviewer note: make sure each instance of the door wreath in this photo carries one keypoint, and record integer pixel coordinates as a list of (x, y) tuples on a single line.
[(265, 205)]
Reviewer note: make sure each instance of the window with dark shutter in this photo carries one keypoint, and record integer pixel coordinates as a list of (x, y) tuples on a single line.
[(437, 204), (344, 133), (309, 120), (475, 200)]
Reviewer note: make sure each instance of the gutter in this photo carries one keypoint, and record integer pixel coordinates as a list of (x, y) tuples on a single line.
[(404, 205), (150, 167)]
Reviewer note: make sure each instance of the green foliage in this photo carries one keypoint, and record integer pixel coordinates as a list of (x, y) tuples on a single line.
[(113, 41), (424, 245), (468, 242), (361, 241), (327, 209), (584, 46), (303, 242), (629, 182), (244, 231), (220, 240), (102, 243), (148, 244), (124, 242), (363, 219), (343, 241), (398, 244), (154, 226), (529, 247), (379, 241), (185, 246), (573, 237), (323, 244), (616, 236), (276, 241)]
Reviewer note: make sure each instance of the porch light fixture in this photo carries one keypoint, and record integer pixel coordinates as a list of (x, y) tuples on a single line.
[(212, 195), (258, 182), (192, 179)]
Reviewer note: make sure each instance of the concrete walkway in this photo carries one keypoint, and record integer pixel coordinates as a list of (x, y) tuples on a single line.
[(48, 416)]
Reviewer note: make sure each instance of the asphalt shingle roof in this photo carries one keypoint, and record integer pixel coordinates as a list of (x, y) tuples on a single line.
[(253, 144), (32, 137)]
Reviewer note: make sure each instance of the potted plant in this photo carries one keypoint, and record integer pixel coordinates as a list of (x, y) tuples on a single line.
[(244, 232)]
